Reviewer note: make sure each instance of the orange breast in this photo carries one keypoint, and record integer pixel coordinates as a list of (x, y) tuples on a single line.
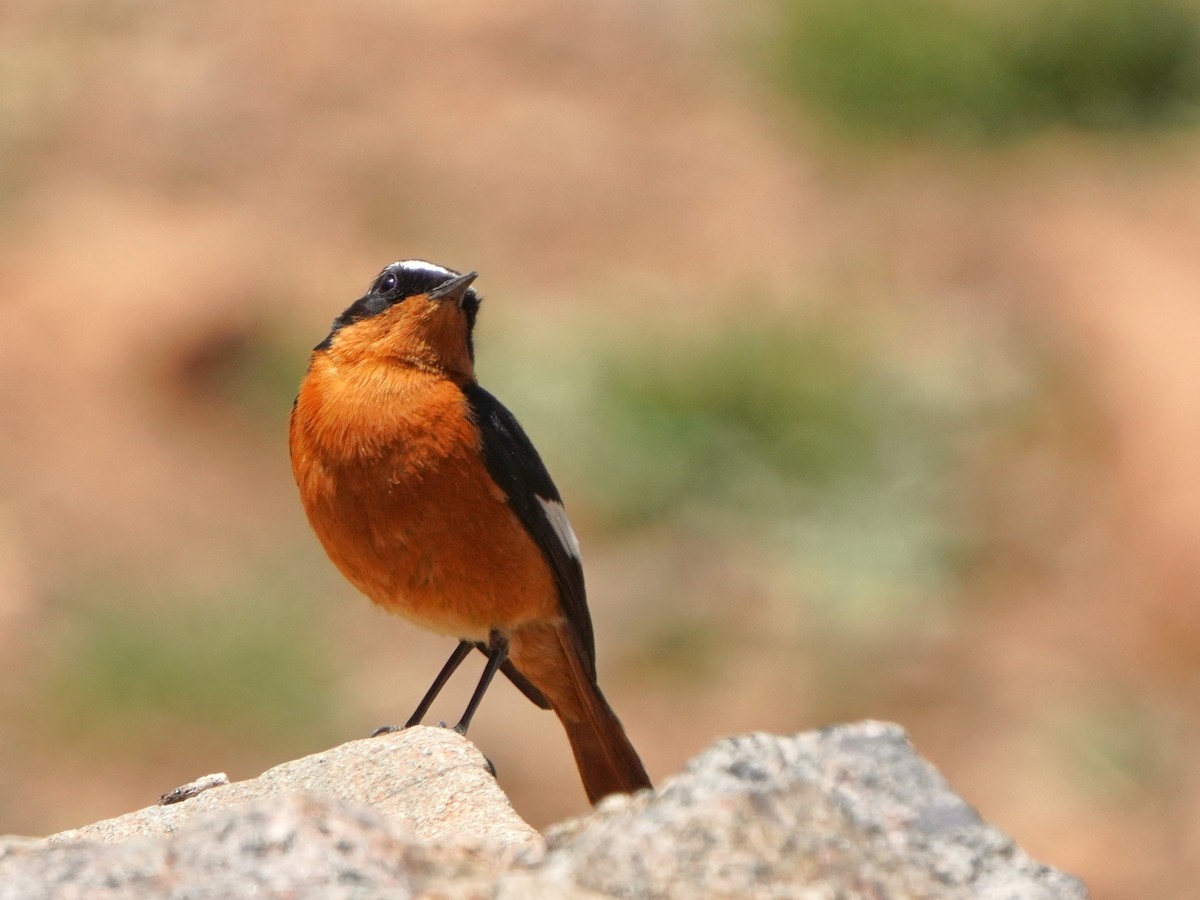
[(391, 477)]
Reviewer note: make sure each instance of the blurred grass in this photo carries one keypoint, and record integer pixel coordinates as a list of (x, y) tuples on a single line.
[(980, 70), (803, 447), (246, 663), (800, 437), (687, 649), (746, 419), (1118, 746)]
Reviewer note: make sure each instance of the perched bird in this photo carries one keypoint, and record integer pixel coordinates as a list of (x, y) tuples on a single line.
[(430, 499)]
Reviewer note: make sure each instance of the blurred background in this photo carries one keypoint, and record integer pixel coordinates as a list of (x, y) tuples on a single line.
[(861, 337)]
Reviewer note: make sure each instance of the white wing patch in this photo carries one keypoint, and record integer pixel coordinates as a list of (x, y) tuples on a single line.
[(562, 527), (420, 265)]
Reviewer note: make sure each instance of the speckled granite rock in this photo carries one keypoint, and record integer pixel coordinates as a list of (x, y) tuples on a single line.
[(294, 846), (850, 811), (428, 781), (847, 812)]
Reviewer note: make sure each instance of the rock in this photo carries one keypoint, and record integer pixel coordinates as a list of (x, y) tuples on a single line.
[(851, 811), (428, 781), (294, 846), (193, 788)]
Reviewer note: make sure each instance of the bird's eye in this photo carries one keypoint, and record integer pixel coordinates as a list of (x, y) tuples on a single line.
[(386, 283)]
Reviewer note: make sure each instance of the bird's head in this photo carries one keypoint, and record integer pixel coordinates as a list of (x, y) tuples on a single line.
[(416, 313)]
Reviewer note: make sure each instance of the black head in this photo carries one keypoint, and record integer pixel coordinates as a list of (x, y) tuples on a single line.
[(395, 284)]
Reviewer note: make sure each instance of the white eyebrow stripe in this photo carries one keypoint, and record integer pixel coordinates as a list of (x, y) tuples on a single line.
[(421, 265), (562, 527)]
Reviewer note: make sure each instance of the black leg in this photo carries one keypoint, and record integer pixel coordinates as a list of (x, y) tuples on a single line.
[(497, 654), (455, 660), (524, 685)]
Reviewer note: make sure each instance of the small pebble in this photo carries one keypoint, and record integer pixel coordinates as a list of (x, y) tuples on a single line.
[(191, 789)]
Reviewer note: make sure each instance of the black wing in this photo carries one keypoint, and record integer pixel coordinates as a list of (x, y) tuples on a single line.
[(516, 467)]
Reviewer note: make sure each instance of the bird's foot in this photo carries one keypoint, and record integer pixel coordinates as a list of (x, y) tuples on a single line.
[(385, 729)]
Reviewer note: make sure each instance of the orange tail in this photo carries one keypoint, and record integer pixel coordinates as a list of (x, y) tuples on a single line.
[(607, 762)]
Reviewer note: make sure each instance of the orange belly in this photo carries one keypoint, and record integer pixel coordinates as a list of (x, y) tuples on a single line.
[(400, 498)]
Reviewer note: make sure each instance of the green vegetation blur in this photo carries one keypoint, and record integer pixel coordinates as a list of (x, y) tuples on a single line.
[(982, 70)]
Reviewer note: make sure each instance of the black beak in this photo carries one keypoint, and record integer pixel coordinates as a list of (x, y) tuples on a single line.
[(454, 289)]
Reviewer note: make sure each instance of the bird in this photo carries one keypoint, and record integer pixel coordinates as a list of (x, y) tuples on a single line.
[(429, 497)]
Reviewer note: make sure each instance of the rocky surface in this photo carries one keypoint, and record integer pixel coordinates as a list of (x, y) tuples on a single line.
[(430, 782), (850, 811)]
